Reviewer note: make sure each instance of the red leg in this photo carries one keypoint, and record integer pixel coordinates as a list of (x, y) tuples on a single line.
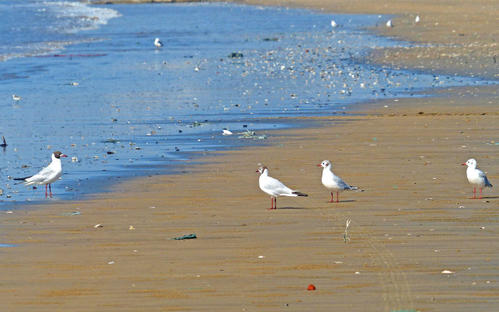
[(271, 203), (337, 197), (50, 189), (46, 191), (474, 193), (480, 193), (275, 202), (332, 198)]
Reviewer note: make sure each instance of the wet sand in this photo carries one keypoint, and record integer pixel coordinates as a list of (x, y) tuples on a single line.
[(411, 219)]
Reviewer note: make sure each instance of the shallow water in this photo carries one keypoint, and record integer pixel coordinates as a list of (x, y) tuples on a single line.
[(94, 86)]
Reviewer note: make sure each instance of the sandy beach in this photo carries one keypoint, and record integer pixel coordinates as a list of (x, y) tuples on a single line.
[(416, 241)]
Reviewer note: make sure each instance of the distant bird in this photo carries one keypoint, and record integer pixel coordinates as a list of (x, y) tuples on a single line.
[(417, 19), (389, 23), (274, 187), (226, 131), (332, 182), (47, 175), (158, 43), (476, 177), (334, 24), (4, 144), (16, 97)]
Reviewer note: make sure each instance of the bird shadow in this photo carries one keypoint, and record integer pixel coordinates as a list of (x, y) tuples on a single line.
[(291, 208), (342, 201), (488, 197)]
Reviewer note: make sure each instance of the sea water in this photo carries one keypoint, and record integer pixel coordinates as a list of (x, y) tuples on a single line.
[(93, 85)]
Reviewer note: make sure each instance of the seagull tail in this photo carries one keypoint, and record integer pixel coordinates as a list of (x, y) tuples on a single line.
[(21, 179), (353, 188), (300, 193), (487, 183)]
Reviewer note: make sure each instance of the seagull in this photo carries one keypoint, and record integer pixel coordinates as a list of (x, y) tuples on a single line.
[(158, 43), (4, 144), (417, 19), (389, 23), (47, 175), (476, 177), (334, 24), (274, 187), (332, 182), (16, 97), (226, 131)]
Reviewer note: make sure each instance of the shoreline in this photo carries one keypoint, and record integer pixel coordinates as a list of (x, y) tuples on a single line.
[(412, 221)]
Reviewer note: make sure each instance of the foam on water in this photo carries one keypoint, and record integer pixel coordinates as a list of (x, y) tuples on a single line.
[(74, 17), (32, 28)]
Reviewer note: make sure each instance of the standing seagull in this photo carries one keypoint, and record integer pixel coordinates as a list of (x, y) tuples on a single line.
[(476, 177), (47, 175), (332, 182), (274, 187), (158, 43), (389, 24)]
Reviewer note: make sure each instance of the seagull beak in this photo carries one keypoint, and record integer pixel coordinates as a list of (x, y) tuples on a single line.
[(257, 171), (463, 164), (64, 155), (319, 165)]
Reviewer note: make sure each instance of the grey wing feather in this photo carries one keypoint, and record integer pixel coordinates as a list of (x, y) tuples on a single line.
[(481, 174), (278, 186), (42, 175), (487, 183), (342, 184)]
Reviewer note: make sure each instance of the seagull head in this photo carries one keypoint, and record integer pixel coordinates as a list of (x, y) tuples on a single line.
[(324, 164), (262, 169), (58, 155), (470, 163)]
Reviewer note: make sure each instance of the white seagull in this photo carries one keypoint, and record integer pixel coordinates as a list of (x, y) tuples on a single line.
[(332, 182), (389, 23), (274, 187), (334, 24), (226, 131), (417, 19), (47, 175), (158, 43), (476, 177), (16, 97)]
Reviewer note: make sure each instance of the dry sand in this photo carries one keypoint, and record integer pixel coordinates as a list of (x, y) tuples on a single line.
[(412, 220)]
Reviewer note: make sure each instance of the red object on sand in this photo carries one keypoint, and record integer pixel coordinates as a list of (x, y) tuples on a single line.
[(311, 287)]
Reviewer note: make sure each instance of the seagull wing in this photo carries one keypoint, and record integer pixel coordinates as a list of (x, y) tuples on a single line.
[(342, 184), (41, 176), (482, 175), (277, 188)]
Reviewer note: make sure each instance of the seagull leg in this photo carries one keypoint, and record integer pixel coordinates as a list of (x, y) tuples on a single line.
[(46, 195), (337, 197), (50, 189), (275, 202), (332, 198), (480, 193), (474, 193), (271, 203)]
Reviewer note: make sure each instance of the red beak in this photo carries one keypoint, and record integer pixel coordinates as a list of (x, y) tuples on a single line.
[(463, 164), (63, 155), (319, 165)]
